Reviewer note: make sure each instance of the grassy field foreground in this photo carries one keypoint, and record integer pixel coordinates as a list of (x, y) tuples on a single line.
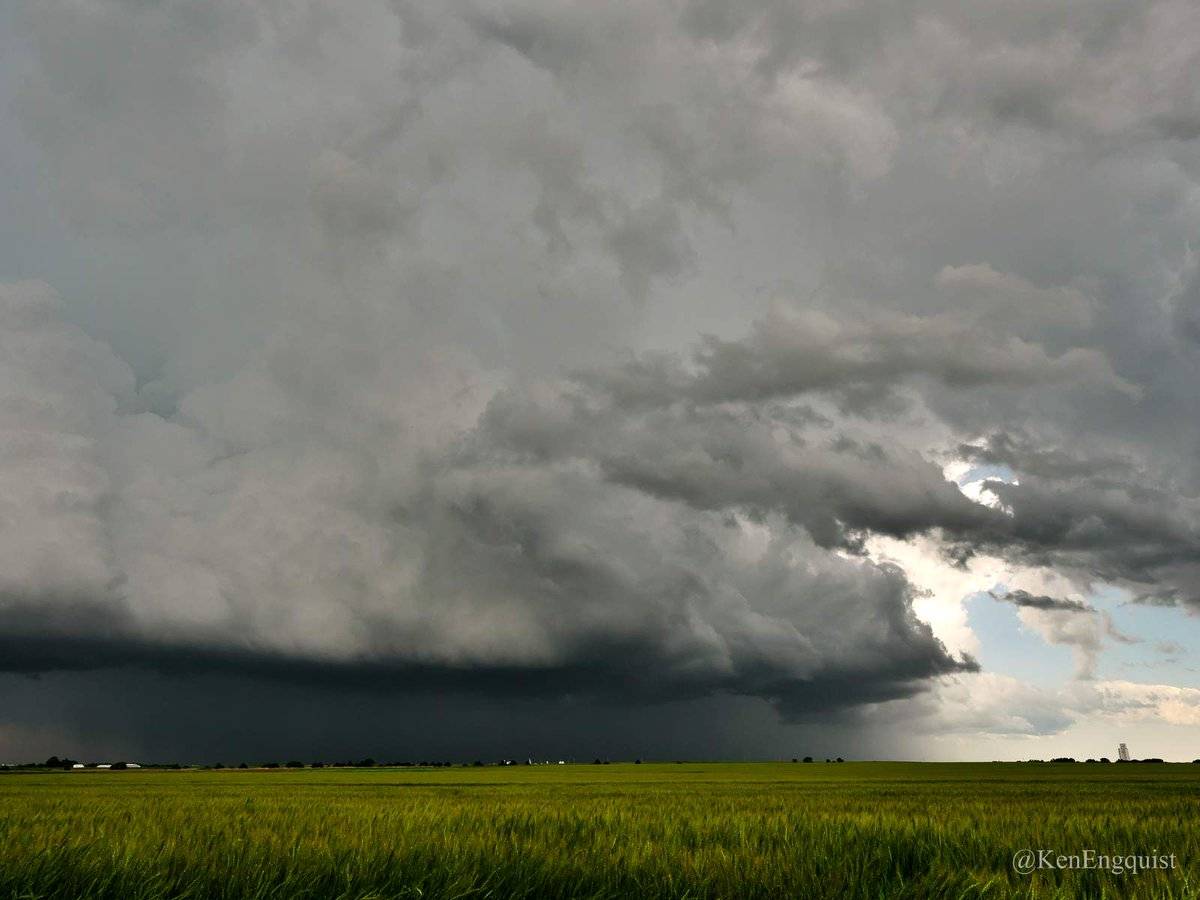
[(664, 830)]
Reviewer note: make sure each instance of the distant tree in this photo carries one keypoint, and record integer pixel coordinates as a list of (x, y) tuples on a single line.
[(243, 766), (366, 763), (1196, 762), (1105, 759), (794, 759), (295, 764), (318, 765), (218, 765), (120, 765), (53, 763), (808, 759), (839, 759), (596, 762), (637, 762), (827, 759), (270, 765)]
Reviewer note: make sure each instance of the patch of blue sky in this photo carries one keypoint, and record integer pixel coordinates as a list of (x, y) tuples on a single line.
[(1168, 641), (1007, 647), (987, 473)]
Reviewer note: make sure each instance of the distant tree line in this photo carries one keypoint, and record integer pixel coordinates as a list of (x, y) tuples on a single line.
[(1103, 759), (66, 762)]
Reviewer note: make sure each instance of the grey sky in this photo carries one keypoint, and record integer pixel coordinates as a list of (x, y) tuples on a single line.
[(627, 355)]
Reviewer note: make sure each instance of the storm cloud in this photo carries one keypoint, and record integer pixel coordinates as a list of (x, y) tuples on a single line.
[(250, 543), (532, 352), (1026, 600)]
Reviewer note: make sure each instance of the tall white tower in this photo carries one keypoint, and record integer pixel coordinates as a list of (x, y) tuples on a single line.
[(1123, 753)]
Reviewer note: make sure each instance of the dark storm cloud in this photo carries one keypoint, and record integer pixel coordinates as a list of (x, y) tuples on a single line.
[(854, 355), (1021, 454), (820, 353), (1101, 518), (532, 349), (1187, 310), (1032, 601), (735, 458), (1106, 517), (700, 435), (544, 549), (614, 672)]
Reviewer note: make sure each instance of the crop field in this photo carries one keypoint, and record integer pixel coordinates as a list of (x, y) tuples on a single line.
[(655, 830)]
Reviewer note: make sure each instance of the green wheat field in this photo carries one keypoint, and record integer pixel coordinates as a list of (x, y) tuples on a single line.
[(582, 831)]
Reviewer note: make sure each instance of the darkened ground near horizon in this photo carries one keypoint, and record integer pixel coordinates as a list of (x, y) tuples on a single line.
[(669, 380)]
